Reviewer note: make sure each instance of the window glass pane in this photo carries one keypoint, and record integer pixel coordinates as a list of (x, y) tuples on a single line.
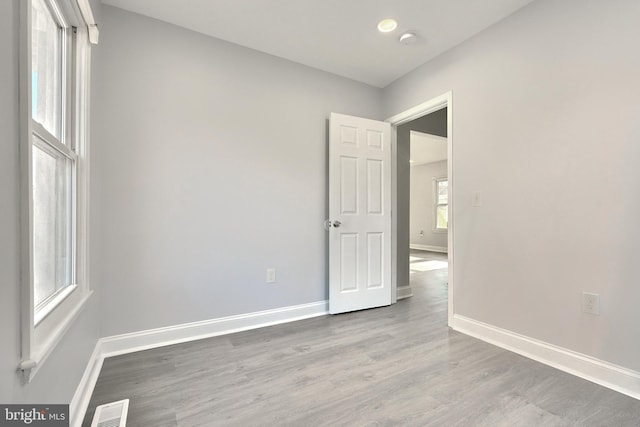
[(46, 63), (52, 249), (443, 192), (441, 216)]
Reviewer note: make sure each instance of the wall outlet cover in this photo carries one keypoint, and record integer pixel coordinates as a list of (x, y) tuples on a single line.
[(476, 200), (271, 275), (591, 303)]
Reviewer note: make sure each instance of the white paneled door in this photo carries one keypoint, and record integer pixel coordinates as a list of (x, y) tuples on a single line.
[(359, 213)]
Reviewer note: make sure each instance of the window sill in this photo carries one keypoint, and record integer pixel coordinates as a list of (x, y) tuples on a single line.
[(40, 315), (63, 317)]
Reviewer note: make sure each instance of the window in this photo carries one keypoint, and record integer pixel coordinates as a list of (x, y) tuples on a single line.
[(54, 90), (53, 160), (53, 222), (47, 60), (441, 204)]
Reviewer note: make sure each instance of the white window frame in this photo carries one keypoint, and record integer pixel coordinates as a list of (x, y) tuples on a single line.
[(436, 205), (42, 331)]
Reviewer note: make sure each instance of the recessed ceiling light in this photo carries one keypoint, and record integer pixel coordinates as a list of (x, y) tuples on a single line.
[(387, 25)]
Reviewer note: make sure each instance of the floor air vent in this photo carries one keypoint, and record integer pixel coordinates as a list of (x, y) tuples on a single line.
[(112, 414)]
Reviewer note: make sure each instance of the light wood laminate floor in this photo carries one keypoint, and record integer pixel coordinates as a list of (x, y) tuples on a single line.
[(393, 366)]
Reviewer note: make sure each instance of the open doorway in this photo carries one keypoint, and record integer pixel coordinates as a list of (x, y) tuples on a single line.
[(424, 188), (428, 208)]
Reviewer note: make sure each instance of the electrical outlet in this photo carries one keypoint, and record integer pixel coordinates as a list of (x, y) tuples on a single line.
[(422, 232), (271, 275), (591, 303), (476, 200)]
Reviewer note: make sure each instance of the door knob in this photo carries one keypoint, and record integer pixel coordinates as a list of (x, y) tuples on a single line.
[(328, 224)]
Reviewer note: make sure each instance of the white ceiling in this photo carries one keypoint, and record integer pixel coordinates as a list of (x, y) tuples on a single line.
[(427, 148), (338, 36)]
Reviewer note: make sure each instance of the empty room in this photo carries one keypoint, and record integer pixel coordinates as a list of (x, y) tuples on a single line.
[(308, 213)]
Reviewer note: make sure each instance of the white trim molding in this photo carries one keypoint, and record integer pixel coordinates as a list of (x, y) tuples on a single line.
[(591, 369), (423, 109), (42, 328), (87, 14), (419, 247), (82, 397), (404, 292), (160, 337)]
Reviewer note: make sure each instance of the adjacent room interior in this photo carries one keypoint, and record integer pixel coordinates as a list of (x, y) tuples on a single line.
[(428, 197)]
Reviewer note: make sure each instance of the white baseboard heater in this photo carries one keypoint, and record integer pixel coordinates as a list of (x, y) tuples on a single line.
[(112, 414)]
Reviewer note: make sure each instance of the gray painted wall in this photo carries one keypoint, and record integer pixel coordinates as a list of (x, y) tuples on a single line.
[(422, 210), (435, 124), (214, 162), (9, 210), (57, 380), (546, 125), (175, 239)]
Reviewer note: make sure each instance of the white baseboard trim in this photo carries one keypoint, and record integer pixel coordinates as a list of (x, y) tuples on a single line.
[(82, 396), (600, 372), (160, 337), (441, 249), (403, 292)]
